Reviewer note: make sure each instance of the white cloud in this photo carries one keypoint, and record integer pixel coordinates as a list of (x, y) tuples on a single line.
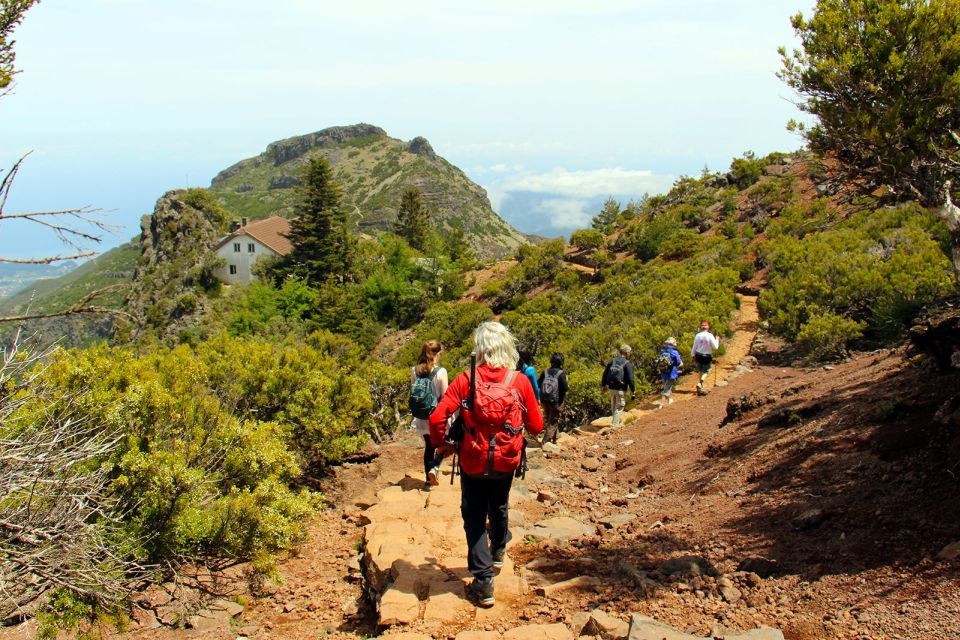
[(566, 214), (496, 197), (593, 182)]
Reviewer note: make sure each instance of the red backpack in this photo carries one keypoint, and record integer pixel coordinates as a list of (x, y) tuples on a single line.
[(494, 434)]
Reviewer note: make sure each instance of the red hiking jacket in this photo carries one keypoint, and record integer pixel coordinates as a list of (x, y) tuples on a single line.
[(506, 458)]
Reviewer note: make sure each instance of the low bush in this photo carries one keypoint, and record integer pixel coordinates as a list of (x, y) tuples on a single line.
[(827, 335), (875, 268)]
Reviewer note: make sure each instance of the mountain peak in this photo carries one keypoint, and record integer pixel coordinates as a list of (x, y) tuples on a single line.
[(291, 148)]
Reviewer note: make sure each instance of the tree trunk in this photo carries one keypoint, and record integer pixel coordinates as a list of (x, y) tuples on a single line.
[(950, 213)]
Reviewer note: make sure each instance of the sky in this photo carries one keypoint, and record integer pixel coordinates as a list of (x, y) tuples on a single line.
[(550, 105)]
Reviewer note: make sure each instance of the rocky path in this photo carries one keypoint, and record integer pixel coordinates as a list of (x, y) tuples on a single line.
[(414, 552)]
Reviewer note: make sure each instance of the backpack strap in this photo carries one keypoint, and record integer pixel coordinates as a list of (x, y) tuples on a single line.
[(509, 377)]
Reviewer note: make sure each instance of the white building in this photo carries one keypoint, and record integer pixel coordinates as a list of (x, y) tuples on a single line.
[(247, 244)]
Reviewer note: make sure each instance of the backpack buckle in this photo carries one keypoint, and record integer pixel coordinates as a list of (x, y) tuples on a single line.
[(511, 430)]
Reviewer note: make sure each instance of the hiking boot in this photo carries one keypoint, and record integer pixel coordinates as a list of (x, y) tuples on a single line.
[(498, 558), (433, 476), (482, 590), (427, 486)]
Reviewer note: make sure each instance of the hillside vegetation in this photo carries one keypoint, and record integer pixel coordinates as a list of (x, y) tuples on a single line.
[(232, 405)]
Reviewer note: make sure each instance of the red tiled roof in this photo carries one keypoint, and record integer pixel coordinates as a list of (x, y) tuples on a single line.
[(270, 232)]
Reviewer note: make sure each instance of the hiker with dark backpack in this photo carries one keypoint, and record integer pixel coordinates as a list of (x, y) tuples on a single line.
[(668, 365), (553, 391), (496, 403), (617, 378), (428, 383)]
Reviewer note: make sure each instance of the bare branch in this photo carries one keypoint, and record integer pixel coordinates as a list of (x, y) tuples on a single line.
[(79, 307), (57, 523), (67, 224), (48, 260)]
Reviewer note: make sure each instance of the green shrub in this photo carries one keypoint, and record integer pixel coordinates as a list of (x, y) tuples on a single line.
[(827, 335), (646, 237), (682, 245), (746, 170), (585, 400), (876, 267), (586, 239)]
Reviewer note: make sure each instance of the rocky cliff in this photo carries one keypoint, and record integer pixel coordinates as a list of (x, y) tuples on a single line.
[(174, 272), (374, 169)]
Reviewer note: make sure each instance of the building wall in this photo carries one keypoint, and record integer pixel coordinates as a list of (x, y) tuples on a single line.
[(242, 260)]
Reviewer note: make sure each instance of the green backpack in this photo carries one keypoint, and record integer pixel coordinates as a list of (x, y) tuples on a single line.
[(422, 398)]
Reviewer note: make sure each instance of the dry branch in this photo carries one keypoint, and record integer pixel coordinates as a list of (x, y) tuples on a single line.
[(58, 527)]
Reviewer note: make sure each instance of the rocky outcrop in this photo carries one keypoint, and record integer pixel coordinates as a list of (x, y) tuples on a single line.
[(283, 182), (291, 148), (937, 333), (176, 263), (421, 147)]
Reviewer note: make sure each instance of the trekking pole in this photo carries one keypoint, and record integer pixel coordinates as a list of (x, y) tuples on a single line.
[(453, 469)]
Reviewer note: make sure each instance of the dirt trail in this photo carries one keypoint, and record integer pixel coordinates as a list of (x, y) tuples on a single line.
[(725, 367)]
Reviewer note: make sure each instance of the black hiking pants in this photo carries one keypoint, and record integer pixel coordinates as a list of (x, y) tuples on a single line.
[(484, 500), (431, 458)]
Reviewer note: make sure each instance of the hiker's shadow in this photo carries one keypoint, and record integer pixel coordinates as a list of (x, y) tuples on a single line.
[(409, 483)]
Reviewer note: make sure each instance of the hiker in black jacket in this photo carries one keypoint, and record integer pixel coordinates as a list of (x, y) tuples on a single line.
[(553, 390), (617, 378)]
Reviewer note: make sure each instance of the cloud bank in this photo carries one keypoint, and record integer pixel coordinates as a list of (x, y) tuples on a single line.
[(589, 183)]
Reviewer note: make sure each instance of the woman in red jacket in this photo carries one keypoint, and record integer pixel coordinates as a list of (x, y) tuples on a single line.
[(492, 447)]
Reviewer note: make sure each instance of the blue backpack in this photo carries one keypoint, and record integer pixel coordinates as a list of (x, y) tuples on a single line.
[(422, 398)]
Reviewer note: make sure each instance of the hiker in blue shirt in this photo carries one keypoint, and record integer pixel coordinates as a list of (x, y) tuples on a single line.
[(668, 366), (525, 365)]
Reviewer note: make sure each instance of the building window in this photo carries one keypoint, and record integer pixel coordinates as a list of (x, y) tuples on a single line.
[(250, 247), (236, 247), (233, 269)]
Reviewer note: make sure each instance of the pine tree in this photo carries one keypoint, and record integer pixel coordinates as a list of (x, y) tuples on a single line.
[(605, 221), (319, 234), (880, 76), (413, 219)]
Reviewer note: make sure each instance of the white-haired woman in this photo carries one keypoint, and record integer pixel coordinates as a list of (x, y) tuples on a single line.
[(492, 447)]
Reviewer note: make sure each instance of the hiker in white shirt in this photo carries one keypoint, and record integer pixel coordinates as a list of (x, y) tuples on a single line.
[(702, 352)]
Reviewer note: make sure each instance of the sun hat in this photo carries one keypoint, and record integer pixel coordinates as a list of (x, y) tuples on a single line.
[(704, 325), (671, 340)]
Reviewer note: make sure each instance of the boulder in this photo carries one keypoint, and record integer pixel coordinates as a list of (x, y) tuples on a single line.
[(561, 528), (810, 519), (644, 628), (730, 593), (590, 464), (547, 497), (601, 623), (539, 632), (687, 565), (763, 567), (950, 552), (616, 520), (580, 583), (231, 608)]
